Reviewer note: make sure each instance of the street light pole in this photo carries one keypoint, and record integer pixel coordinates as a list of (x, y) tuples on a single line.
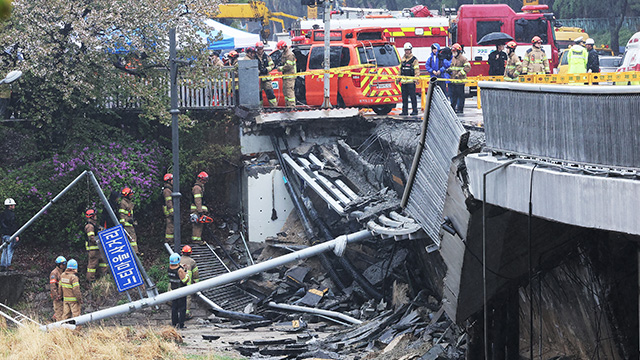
[(327, 53), (173, 65)]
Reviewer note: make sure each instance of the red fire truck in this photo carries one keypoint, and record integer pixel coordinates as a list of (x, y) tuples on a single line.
[(470, 24)]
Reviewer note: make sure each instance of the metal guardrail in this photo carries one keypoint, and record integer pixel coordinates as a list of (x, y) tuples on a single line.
[(591, 125), (218, 92)]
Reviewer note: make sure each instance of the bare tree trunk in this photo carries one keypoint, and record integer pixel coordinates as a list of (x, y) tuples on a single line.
[(615, 24)]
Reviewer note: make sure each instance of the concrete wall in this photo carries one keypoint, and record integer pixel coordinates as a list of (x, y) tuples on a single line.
[(576, 198)]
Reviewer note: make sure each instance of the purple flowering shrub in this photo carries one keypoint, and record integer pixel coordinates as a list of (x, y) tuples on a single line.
[(139, 165)]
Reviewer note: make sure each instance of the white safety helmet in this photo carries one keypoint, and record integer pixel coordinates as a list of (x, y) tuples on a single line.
[(9, 201), (578, 40), (590, 41), (408, 46)]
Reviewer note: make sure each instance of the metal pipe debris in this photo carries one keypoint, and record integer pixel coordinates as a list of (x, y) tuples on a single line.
[(328, 313), (216, 281)]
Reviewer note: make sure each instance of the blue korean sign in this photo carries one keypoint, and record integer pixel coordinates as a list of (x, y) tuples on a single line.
[(120, 258)]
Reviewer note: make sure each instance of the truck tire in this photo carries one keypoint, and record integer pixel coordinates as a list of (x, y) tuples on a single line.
[(383, 109)]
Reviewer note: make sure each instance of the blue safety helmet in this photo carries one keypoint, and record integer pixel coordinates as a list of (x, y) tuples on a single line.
[(174, 259), (72, 264), (60, 260)]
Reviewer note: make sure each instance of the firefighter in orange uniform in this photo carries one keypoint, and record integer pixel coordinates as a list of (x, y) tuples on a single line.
[(459, 69), (265, 65), (192, 270), (54, 284), (167, 208), (514, 65), (288, 69), (126, 217), (535, 60), (71, 295), (96, 261), (197, 207)]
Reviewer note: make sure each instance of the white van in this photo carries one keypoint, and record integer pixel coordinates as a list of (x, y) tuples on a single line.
[(631, 58)]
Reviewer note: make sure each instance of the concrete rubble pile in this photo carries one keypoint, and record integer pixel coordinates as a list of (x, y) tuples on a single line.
[(394, 311)]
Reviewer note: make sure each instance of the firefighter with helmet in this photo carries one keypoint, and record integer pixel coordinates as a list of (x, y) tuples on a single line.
[(233, 58), (197, 207), (288, 69), (96, 261), (54, 285), (167, 208), (70, 287), (459, 69), (535, 60), (410, 71), (514, 65), (125, 214), (192, 270), (178, 278), (250, 53), (265, 65)]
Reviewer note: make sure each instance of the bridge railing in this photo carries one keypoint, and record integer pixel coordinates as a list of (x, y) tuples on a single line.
[(218, 91), (591, 125)]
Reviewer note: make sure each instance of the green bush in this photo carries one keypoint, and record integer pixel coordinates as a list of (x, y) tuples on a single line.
[(136, 164), (158, 273)]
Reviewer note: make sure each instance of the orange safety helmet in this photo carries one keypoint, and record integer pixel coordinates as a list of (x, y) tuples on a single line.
[(456, 46), (233, 53), (168, 177), (281, 44), (127, 191), (536, 39), (203, 176), (259, 44), (90, 213), (186, 249), (511, 45)]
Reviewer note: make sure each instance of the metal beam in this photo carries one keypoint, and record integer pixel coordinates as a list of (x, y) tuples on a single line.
[(216, 281)]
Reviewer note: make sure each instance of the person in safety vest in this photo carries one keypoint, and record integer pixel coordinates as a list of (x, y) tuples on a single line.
[(70, 287), (577, 57), (125, 213), (535, 60), (288, 69), (96, 261), (167, 208), (410, 70), (437, 67), (54, 285), (192, 269), (459, 69), (197, 206), (514, 65), (178, 278), (265, 65)]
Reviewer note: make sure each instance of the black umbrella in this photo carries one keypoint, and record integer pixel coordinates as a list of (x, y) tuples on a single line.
[(495, 38)]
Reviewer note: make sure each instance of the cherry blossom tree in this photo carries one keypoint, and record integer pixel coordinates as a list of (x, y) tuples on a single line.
[(77, 54)]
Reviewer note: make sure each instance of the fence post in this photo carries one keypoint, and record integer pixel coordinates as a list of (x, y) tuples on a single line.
[(248, 84)]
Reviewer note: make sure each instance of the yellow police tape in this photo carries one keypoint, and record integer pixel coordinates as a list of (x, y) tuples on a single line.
[(618, 78)]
